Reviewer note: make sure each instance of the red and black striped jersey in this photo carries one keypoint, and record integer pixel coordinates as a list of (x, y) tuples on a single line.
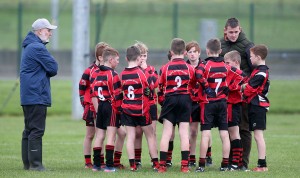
[(134, 82), (218, 76), (107, 86), (152, 78), (197, 89), (235, 95), (85, 84), (160, 90), (257, 89), (177, 77)]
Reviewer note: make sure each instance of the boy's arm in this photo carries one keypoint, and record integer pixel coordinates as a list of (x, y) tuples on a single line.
[(160, 92), (203, 82), (236, 78), (83, 85), (254, 83), (117, 93)]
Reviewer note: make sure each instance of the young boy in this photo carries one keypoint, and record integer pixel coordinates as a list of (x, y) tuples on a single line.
[(161, 99), (193, 54), (135, 106), (152, 78), (85, 99), (176, 79), (214, 108), (255, 93), (107, 97), (234, 112)]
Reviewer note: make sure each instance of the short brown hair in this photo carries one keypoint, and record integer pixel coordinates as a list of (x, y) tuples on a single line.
[(132, 53), (178, 46), (233, 56), (100, 48), (232, 22), (192, 44), (109, 52), (214, 45), (142, 47), (260, 50)]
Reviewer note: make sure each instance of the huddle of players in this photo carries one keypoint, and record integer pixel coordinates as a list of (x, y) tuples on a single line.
[(209, 92)]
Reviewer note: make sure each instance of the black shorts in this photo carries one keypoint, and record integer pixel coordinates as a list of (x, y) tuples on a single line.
[(234, 114), (106, 116), (176, 109), (89, 116), (153, 112), (257, 117), (195, 116), (134, 121), (214, 114)]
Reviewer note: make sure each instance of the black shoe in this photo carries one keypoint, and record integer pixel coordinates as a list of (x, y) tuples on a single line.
[(222, 169), (244, 168), (208, 161), (200, 169), (169, 164), (138, 165), (192, 164), (233, 168)]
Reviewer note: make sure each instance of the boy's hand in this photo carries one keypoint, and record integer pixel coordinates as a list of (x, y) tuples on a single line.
[(226, 91), (147, 91), (82, 100), (243, 87), (210, 92)]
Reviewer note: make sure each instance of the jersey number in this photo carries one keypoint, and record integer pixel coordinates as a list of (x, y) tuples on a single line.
[(130, 93), (218, 81), (178, 81), (100, 94)]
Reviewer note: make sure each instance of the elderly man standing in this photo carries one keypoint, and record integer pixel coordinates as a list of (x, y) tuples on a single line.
[(37, 66)]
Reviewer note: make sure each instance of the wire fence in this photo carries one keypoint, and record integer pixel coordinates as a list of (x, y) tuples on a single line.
[(119, 23)]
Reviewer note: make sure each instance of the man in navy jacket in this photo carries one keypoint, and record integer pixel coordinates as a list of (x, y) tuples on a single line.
[(37, 66)]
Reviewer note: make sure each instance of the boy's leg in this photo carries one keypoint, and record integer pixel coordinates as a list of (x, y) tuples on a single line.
[(208, 158), (205, 136), (87, 145), (235, 147), (170, 148), (121, 134), (225, 149), (184, 144), (194, 126), (164, 144), (261, 145), (98, 145), (138, 147), (151, 140), (130, 130), (110, 146)]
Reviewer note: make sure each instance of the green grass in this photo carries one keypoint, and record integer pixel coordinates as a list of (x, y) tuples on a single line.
[(275, 25), (62, 151), (283, 97)]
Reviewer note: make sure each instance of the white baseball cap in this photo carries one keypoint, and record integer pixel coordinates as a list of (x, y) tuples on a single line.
[(42, 23)]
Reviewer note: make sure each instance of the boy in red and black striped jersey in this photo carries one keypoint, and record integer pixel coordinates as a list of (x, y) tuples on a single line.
[(214, 108), (234, 112), (152, 78), (193, 54), (255, 92), (176, 79), (85, 99), (161, 99), (107, 98), (135, 105)]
